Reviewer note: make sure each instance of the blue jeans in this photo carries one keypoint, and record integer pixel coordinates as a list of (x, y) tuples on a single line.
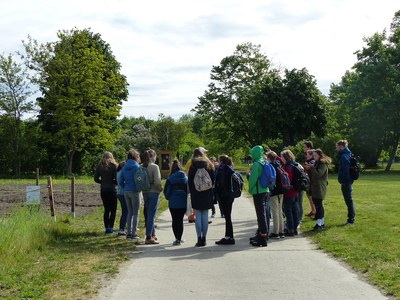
[(201, 223), (347, 191), (151, 200), (124, 212), (132, 200), (291, 213), (267, 212)]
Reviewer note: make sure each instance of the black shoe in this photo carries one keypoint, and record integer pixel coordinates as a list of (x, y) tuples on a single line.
[(203, 241), (259, 242), (199, 242), (274, 236), (289, 234), (318, 227), (296, 232), (281, 235), (224, 241)]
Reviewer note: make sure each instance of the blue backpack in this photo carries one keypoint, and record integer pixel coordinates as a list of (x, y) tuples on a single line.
[(142, 179), (268, 176)]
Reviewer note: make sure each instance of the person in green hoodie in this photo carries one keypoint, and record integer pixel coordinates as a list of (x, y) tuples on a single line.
[(260, 195)]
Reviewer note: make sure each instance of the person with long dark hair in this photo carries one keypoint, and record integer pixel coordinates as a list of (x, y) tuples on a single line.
[(318, 185), (106, 175), (176, 192)]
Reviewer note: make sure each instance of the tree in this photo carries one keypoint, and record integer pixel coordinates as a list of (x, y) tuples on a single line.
[(82, 90), (14, 102), (374, 91), (231, 98)]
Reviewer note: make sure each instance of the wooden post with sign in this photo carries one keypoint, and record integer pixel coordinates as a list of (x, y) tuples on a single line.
[(165, 162), (51, 197), (73, 197)]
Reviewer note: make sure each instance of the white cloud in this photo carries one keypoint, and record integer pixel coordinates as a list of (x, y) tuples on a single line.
[(167, 48)]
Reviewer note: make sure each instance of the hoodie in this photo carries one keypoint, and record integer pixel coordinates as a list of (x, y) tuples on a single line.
[(344, 167), (255, 187), (127, 180), (176, 190)]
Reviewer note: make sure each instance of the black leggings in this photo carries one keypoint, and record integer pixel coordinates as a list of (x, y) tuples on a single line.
[(225, 204), (109, 199), (319, 208), (177, 221)]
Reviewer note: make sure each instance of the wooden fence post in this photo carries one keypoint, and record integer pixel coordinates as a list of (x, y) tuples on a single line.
[(51, 197), (37, 176), (73, 197)]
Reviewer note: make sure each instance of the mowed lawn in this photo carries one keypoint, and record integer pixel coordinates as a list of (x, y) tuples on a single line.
[(372, 245)]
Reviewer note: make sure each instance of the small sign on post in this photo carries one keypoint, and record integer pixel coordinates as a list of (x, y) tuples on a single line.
[(33, 195)]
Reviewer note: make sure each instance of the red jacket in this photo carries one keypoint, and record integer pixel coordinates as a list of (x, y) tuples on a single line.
[(292, 192)]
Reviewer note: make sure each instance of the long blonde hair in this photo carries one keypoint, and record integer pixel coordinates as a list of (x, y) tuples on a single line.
[(107, 161)]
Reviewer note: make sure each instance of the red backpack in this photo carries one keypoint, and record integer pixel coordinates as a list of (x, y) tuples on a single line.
[(282, 184)]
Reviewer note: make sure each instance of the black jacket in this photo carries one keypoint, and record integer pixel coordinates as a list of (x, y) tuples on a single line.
[(200, 200)]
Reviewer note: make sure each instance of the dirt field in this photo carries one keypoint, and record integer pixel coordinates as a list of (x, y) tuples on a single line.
[(87, 197)]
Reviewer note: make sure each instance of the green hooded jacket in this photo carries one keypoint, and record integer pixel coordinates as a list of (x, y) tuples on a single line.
[(256, 169)]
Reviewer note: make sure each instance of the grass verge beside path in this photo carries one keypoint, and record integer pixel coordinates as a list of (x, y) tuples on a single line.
[(68, 259), (372, 245)]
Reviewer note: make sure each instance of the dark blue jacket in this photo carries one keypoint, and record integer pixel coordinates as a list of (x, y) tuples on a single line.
[(127, 180), (344, 167), (176, 190), (223, 182)]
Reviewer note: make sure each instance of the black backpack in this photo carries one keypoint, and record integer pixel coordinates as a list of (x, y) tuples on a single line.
[(301, 181), (282, 183), (355, 168)]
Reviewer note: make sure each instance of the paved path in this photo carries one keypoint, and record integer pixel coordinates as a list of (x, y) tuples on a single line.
[(290, 268)]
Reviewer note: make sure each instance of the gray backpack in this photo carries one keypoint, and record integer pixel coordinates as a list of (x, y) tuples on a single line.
[(202, 180)]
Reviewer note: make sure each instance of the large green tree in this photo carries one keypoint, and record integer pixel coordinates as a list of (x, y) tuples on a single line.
[(371, 93), (82, 89), (14, 102)]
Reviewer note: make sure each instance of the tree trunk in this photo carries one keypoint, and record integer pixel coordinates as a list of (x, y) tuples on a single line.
[(393, 153)]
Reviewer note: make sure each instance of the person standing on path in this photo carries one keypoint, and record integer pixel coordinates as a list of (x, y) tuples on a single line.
[(225, 198), (259, 196), (151, 197), (318, 173), (106, 175), (122, 202), (176, 192), (345, 179), (201, 200), (132, 195)]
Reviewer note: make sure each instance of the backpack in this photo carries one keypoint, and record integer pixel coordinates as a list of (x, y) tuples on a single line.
[(202, 180), (282, 184), (268, 176), (237, 184), (142, 180), (301, 181), (355, 168)]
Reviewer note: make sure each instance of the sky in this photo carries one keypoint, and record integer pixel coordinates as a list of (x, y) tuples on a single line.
[(168, 48)]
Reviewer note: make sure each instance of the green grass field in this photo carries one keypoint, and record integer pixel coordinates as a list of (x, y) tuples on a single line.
[(372, 245)]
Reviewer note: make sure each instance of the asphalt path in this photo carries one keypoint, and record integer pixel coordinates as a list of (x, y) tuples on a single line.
[(289, 268)]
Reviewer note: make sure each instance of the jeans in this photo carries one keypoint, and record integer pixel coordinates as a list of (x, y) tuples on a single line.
[(319, 208), (177, 215), (124, 212), (201, 223), (347, 191), (276, 203), (133, 203), (151, 200), (109, 199), (225, 206), (259, 205), (291, 213)]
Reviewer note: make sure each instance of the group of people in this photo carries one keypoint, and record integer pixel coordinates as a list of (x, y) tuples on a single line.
[(207, 182)]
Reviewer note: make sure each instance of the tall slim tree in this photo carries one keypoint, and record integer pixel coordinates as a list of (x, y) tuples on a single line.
[(14, 102), (82, 89)]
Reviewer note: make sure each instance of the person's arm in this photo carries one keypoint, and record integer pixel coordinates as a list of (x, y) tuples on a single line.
[(255, 174), (97, 175), (167, 189), (157, 178), (319, 170)]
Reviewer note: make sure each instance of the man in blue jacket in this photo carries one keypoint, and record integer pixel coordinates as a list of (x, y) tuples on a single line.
[(346, 180)]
